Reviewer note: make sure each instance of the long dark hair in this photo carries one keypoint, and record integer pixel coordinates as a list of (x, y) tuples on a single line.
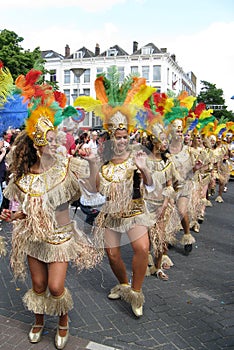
[(22, 155)]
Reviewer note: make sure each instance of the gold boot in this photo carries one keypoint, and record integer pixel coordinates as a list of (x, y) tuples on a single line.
[(136, 299), (36, 337), (116, 292), (60, 342)]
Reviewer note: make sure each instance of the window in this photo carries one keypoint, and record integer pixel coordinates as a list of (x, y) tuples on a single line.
[(111, 52), (78, 54), (86, 92), (99, 70), (145, 72), (52, 75), (49, 54), (76, 93), (134, 70), (147, 50), (156, 73), (168, 75), (86, 119), (121, 74), (67, 93), (76, 79), (67, 77), (87, 76)]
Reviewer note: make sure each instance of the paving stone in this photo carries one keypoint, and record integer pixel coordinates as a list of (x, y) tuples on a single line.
[(194, 310)]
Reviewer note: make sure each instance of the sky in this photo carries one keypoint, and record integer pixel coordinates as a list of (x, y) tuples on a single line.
[(199, 33)]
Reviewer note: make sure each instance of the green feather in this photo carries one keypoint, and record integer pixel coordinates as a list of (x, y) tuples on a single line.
[(126, 86), (202, 123), (177, 112)]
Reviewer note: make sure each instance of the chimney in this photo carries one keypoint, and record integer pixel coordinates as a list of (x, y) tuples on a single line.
[(173, 56), (67, 50), (163, 49), (135, 46), (97, 50)]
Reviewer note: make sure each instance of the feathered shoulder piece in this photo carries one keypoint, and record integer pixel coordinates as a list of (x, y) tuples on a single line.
[(13, 110), (115, 99)]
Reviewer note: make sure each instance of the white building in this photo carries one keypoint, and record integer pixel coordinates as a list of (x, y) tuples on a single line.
[(75, 73)]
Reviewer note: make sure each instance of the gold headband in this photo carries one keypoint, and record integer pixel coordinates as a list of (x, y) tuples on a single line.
[(42, 126), (117, 121)]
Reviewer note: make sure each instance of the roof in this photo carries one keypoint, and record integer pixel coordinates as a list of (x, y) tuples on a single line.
[(155, 49), (119, 50), (51, 54), (86, 53)]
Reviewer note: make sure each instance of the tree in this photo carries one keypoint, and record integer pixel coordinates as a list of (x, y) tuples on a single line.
[(14, 57), (211, 95)]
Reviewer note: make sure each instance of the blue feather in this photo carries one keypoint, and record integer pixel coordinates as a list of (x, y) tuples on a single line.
[(141, 119), (221, 132), (193, 125), (13, 113)]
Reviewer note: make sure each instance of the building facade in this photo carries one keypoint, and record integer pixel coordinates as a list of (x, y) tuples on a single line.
[(75, 73)]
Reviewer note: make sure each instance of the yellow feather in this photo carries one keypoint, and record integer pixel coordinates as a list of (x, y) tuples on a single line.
[(219, 127), (90, 105), (87, 102), (6, 84), (142, 95)]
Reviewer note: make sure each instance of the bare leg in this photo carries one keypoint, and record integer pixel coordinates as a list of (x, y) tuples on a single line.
[(39, 275), (187, 239), (117, 265), (140, 243), (56, 283)]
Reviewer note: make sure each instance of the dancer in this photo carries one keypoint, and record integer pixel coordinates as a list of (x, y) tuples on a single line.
[(185, 161), (160, 202), (44, 184), (123, 211)]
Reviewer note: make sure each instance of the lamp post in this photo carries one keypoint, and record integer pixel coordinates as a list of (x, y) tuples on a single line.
[(77, 73)]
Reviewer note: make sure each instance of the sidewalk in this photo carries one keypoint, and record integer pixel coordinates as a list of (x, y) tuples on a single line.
[(194, 309)]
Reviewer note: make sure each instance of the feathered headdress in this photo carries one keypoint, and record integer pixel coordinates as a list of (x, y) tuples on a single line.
[(45, 106), (198, 119), (116, 104)]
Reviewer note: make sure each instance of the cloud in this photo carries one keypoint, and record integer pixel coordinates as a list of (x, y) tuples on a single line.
[(53, 38), (87, 5), (210, 55)]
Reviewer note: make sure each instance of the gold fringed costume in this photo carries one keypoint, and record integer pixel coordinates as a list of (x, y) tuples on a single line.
[(2, 246), (47, 233), (162, 228), (120, 212)]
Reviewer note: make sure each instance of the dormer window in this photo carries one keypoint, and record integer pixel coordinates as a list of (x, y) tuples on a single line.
[(49, 54), (111, 53), (147, 50), (78, 54)]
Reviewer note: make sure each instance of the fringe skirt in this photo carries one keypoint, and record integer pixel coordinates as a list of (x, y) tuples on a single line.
[(66, 244)]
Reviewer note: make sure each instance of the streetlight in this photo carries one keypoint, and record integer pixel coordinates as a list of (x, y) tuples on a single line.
[(77, 73)]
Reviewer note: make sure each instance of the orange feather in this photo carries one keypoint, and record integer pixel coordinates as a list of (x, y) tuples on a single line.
[(136, 86), (100, 90)]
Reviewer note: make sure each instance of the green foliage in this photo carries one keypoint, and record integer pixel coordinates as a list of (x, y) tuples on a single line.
[(211, 95), (14, 57)]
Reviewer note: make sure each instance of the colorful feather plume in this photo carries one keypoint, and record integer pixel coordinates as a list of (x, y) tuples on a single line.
[(112, 96)]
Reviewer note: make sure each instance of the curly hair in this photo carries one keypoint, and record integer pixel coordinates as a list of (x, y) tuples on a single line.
[(22, 155)]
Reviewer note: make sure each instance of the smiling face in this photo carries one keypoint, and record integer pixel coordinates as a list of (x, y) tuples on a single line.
[(51, 147), (187, 138), (121, 141)]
